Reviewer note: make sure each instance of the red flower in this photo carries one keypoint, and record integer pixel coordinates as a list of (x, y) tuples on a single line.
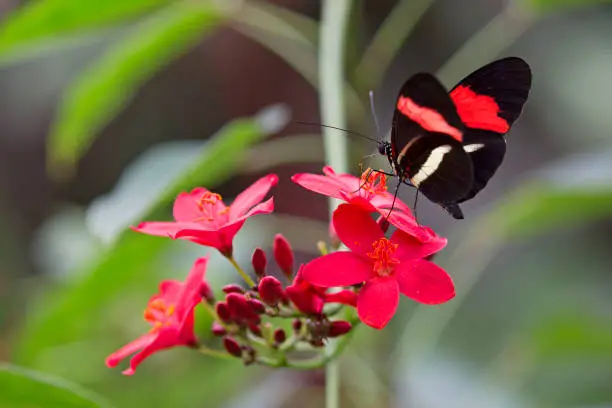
[(371, 194), (310, 299), (387, 266), (171, 314), (202, 217), (368, 192)]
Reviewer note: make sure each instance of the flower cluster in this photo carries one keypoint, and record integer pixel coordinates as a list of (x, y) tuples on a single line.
[(266, 322)]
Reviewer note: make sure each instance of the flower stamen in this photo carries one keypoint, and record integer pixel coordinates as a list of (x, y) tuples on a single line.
[(159, 314), (373, 182), (382, 255), (209, 204)]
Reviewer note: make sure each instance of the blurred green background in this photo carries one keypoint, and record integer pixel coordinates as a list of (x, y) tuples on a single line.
[(110, 108)]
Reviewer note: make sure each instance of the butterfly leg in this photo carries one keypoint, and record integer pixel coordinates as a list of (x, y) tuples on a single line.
[(414, 208), (367, 177), (399, 183)]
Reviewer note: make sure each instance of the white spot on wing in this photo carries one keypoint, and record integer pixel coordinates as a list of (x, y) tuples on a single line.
[(471, 148), (431, 164)]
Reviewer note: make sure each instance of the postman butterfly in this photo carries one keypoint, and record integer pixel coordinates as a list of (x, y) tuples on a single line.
[(449, 144)]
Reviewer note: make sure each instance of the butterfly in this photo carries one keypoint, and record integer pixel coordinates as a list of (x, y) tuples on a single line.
[(449, 144)]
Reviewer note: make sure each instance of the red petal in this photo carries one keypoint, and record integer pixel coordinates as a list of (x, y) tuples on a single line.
[(425, 282), (165, 339), (221, 238), (319, 184), (190, 294), (410, 247), (404, 221), (186, 205), (345, 297), (337, 269), (129, 349), (252, 195), (264, 208), (359, 201), (305, 299), (355, 228), (163, 229), (377, 302)]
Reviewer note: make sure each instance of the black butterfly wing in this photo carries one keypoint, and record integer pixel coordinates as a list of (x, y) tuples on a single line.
[(426, 141), (489, 101)]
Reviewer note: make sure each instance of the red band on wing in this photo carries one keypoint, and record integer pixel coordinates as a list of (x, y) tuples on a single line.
[(478, 111), (427, 118)]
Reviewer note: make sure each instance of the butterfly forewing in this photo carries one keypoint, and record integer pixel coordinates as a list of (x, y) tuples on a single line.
[(492, 97), (426, 141)]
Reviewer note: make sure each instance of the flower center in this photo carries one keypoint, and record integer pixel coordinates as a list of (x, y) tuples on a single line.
[(382, 255), (373, 182), (159, 314), (211, 206)]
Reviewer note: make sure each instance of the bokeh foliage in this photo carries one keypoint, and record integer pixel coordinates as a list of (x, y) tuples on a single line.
[(72, 327)]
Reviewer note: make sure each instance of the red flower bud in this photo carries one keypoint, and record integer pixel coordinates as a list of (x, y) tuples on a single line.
[(223, 312), (218, 330), (240, 309), (255, 329), (283, 254), (279, 336), (339, 328), (259, 262), (297, 325), (233, 288), (271, 291), (232, 346), (207, 293), (257, 306)]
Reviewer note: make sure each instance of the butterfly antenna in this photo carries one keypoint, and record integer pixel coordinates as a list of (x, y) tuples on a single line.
[(374, 116), (337, 128)]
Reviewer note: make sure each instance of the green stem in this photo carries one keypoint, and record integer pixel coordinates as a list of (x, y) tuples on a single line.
[(242, 273), (214, 353), (317, 362), (332, 40)]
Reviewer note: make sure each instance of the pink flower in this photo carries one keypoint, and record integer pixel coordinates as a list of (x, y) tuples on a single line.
[(372, 196), (202, 217), (387, 266), (171, 314), (310, 299)]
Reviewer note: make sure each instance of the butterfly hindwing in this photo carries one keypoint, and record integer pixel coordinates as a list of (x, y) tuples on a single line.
[(489, 101), (426, 141)]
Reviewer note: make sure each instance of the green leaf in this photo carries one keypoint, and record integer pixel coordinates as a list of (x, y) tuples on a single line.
[(109, 84), (46, 19), (28, 389), (134, 255), (553, 5)]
